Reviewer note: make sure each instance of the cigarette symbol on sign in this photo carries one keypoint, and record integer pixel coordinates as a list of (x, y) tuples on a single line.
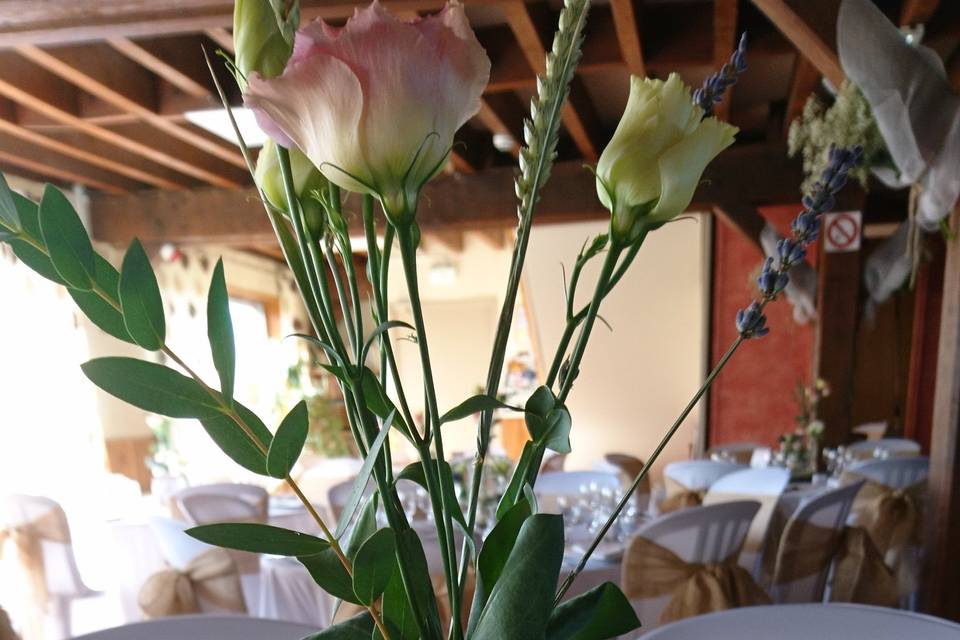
[(842, 232)]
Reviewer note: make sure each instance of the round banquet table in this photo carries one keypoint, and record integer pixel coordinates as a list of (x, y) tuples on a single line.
[(806, 621)]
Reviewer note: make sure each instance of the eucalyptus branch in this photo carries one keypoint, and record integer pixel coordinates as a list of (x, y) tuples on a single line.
[(646, 468), (541, 133)]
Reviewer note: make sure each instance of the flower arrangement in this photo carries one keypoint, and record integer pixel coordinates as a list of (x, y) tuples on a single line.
[(371, 109)]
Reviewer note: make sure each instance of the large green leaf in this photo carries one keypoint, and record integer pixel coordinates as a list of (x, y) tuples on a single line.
[(328, 572), (151, 387), (359, 627), (9, 216), (66, 239), (397, 611), (233, 441), (140, 299), (493, 557), (258, 538), (360, 482), (601, 613), (557, 436), (377, 400), (374, 565), (99, 311), (420, 586), (519, 605), (511, 495), (27, 253), (220, 332), (288, 441), (474, 404)]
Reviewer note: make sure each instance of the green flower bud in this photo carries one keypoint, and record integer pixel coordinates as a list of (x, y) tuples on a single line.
[(258, 40), (647, 174), (307, 182)]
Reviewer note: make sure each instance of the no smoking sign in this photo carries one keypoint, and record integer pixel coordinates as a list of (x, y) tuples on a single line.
[(842, 231)]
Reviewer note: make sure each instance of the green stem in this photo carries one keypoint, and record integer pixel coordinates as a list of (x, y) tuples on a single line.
[(646, 467), (354, 338), (444, 519)]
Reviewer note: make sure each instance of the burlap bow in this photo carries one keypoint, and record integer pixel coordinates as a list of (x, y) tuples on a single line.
[(891, 516), (6, 628), (680, 496), (805, 549), (651, 571), (211, 579), (27, 538)]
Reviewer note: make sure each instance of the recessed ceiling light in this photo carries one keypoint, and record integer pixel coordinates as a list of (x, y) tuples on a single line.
[(217, 122)]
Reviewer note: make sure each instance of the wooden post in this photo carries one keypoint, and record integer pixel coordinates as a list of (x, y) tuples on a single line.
[(838, 296), (940, 595)]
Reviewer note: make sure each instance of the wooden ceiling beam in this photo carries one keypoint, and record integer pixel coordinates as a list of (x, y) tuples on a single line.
[(724, 42), (503, 113), (193, 80), (804, 81), (806, 25), (751, 175), (222, 37), (130, 88), (628, 34), (579, 115), (53, 168)]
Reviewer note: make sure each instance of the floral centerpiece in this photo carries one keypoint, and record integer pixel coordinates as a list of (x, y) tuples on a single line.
[(371, 109)]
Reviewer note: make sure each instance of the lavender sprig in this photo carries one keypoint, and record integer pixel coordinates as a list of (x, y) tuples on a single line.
[(774, 277), (707, 96)]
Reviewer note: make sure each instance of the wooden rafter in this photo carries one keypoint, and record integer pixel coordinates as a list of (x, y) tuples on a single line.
[(805, 79), (811, 41), (917, 11), (134, 93), (222, 37), (56, 169), (724, 41), (628, 35), (579, 115), (146, 56), (503, 113)]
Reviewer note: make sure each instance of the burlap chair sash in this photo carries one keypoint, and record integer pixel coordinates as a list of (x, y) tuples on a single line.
[(652, 571), (891, 516), (27, 539), (680, 496), (6, 627), (210, 579)]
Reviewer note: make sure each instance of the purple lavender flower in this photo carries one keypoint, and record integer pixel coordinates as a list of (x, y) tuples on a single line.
[(717, 84)]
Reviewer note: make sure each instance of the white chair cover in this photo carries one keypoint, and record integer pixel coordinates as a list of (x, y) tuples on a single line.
[(735, 452), (697, 535), (206, 628), (806, 621), (316, 482), (222, 502), (63, 581), (828, 510), (762, 485), (891, 447), (177, 548), (698, 475), (897, 473)]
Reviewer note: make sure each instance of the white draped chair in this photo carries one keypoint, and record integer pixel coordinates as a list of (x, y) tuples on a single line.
[(806, 621), (736, 452), (896, 473), (763, 485), (206, 628), (687, 481), (888, 447), (711, 535), (815, 527), (35, 538), (316, 481)]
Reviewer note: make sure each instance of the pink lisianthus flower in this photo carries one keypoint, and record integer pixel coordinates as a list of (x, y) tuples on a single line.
[(375, 104)]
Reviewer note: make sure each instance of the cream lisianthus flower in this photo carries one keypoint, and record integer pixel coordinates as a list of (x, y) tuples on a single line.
[(649, 171), (375, 104), (308, 182)]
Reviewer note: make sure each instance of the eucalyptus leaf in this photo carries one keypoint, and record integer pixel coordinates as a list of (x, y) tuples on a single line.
[(66, 239), (359, 627), (258, 538), (220, 332), (377, 401), (140, 299), (96, 308), (287, 443), (599, 614), (151, 387), (26, 252), (233, 441), (519, 478), (360, 483), (493, 557), (420, 586), (475, 404), (557, 436), (328, 572), (520, 603), (374, 565), (397, 610), (365, 526), (9, 216)]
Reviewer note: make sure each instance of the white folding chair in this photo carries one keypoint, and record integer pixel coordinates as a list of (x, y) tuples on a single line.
[(206, 627), (736, 452), (896, 473), (694, 476), (63, 581), (316, 481), (704, 535), (223, 502), (764, 486), (883, 448), (828, 510)]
